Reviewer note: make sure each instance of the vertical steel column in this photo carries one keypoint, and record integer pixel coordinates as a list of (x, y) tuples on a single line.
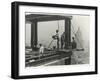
[(34, 35), (67, 33)]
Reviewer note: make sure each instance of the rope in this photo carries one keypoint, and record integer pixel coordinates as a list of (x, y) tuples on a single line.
[(50, 43), (58, 25)]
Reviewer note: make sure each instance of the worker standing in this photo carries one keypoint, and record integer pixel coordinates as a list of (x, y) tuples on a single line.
[(62, 40), (74, 44), (41, 50), (57, 36)]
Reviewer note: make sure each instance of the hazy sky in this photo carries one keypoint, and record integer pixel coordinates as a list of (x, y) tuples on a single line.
[(47, 29)]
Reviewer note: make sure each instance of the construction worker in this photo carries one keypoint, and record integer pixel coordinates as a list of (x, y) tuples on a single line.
[(62, 40), (74, 44), (57, 36), (41, 50)]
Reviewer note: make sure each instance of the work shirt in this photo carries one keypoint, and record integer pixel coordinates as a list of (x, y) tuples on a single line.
[(74, 45), (41, 50)]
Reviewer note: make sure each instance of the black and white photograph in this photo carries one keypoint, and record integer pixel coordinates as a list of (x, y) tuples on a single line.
[(52, 40)]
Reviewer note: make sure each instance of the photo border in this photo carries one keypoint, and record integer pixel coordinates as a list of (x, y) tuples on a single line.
[(15, 39)]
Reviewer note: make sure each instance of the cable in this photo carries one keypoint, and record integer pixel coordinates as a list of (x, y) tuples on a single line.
[(50, 43)]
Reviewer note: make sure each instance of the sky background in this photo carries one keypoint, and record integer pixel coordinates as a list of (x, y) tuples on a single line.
[(79, 23)]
